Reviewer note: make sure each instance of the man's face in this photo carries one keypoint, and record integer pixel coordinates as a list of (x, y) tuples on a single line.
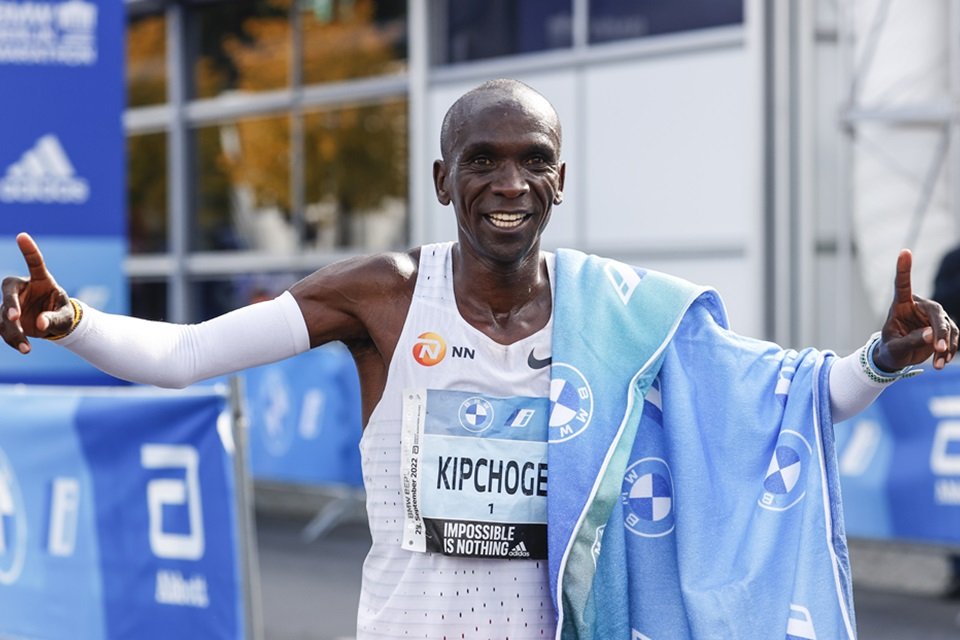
[(503, 175)]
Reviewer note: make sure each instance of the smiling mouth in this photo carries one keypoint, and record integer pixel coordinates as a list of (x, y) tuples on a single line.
[(507, 220)]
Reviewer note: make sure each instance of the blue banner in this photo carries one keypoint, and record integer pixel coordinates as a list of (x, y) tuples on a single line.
[(305, 423), (900, 462), (117, 516), (62, 156)]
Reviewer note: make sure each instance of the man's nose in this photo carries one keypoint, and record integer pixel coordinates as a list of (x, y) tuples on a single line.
[(509, 181)]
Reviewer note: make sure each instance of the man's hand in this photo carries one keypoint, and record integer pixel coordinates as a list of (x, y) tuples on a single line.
[(916, 327), (37, 307)]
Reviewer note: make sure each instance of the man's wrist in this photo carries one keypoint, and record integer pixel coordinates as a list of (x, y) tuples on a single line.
[(868, 362), (77, 317)]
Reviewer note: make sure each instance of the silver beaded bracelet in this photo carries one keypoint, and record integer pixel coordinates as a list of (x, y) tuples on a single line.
[(869, 366)]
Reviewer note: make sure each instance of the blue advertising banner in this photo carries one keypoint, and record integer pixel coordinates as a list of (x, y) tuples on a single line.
[(305, 422), (62, 156), (117, 516), (899, 462)]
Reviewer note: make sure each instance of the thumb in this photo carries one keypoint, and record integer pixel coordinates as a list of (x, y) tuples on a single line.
[(56, 322)]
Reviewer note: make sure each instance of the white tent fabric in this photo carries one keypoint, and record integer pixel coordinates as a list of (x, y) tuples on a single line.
[(901, 193)]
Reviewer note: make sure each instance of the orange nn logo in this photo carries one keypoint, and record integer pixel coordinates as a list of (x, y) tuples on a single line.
[(429, 349)]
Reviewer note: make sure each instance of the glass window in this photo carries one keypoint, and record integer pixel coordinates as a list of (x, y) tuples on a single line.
[(147, 193), (345, 39), (146, 60), (240, 45), (242, 189), (355, 168), (478, 29), (612, 20), (148, 299), (214, 296)]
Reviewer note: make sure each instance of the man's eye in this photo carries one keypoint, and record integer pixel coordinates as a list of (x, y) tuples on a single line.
[(481, 162)]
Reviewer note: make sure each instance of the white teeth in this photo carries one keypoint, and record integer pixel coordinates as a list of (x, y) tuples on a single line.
[(507, 220)]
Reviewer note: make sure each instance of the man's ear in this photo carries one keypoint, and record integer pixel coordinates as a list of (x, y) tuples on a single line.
[(558, 196), (440, 182)]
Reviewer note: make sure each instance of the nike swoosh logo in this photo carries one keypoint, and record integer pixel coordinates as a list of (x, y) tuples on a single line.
[(536, 363)]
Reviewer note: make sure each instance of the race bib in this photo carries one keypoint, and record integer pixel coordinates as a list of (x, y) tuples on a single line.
[(475, 474)]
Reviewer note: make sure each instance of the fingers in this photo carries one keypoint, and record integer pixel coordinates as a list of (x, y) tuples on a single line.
[(945, 342), (11, 298), (33, 257), (941, 335), (10, 328), (903, 289)]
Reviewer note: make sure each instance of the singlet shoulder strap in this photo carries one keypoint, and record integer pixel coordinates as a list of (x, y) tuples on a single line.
[(435, 275)]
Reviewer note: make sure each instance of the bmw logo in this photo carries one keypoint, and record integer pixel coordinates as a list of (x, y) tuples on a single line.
[(275, 406), (571, 403), (476, 414), (13, 524), (783, 484), (647, 497)]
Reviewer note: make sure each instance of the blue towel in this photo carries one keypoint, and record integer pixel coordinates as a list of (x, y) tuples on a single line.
[(693, 483)]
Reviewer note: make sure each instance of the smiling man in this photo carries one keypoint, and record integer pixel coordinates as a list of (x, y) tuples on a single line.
[(477, 378)]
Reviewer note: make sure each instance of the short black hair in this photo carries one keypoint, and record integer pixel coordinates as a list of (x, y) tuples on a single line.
[(504, 86)]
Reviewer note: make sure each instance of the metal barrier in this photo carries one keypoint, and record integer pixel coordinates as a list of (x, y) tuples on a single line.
[(123, 514), (305, 428), (899, 463)]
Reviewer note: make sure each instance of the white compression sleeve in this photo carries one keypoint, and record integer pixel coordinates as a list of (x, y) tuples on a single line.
[(851, 390), (177, 355)]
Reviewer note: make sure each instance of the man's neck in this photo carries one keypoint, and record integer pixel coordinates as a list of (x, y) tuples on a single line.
[(506, 302)]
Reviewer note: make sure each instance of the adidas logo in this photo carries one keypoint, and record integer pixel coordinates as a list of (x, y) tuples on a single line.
[(519, 551), (45, 175)]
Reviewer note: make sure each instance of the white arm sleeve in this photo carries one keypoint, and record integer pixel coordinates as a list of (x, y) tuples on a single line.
[(177, 355), (851, 391)]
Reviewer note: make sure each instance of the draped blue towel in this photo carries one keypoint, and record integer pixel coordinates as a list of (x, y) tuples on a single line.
[(693, 482)]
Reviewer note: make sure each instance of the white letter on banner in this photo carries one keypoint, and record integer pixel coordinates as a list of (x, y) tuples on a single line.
[(64, 508), (942, 462), (169, 491)]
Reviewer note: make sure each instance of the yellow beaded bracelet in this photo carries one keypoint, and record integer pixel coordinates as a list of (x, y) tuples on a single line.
[(77, 317)]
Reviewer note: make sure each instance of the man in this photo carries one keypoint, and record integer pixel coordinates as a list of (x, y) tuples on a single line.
[(457, 499)]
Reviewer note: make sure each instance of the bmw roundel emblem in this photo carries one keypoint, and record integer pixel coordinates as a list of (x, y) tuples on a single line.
[(647, 497), (476, 414), (13, 524), (273, 407), (784, 483), (571, 402)]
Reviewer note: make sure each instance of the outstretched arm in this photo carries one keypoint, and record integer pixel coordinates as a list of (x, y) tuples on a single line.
[(174, 355), (159, 353)]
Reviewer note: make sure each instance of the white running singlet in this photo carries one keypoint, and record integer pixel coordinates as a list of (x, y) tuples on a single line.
[(478, 478)]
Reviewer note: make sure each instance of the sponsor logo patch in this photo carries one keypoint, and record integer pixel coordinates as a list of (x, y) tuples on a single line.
[(476, 414), (537, 363), (429, 349), (783, 484), (571, 403), (44, 174), (647, 495)]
